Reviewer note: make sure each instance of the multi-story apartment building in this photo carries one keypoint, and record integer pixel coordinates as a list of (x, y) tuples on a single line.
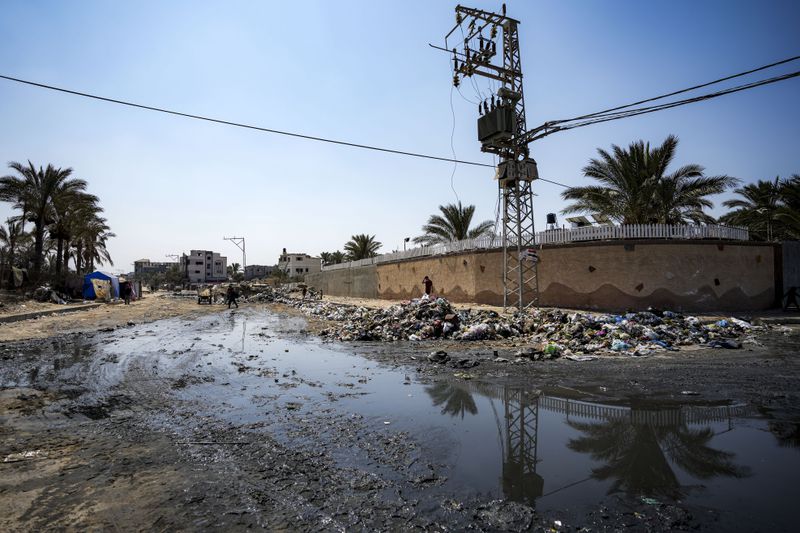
[(298, 264), (257, 271), (144, 267), (204, 266)]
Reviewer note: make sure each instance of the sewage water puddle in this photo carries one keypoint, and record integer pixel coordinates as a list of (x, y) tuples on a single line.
[(539, 445)]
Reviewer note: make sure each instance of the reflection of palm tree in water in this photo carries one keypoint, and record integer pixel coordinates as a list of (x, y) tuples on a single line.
[(636, 455), (454, 400)]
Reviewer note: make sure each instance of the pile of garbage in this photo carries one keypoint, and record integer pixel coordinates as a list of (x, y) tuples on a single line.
[(47, 294), (553, 333)]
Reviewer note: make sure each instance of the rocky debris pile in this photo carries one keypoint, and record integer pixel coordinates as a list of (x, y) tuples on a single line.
[(546, 333)]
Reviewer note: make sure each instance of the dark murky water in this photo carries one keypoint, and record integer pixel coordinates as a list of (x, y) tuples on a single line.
[(539, 446)]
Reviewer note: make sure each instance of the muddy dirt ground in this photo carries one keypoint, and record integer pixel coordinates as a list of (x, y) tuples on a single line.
[(155, 306), (244, 419)]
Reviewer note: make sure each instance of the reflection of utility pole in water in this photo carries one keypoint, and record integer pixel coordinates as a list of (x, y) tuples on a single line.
[(520, 481)]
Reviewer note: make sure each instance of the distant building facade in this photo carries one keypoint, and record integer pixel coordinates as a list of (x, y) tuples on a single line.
[(145, 267), (298, 264), (204, 266), (257, 271)]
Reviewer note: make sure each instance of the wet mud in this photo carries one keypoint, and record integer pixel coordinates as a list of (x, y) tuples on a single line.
[(242, 419)]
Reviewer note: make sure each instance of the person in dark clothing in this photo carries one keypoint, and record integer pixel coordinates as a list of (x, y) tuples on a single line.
[(231, 296), (790, 299), (428, 285), (305, 290), (125, 289)]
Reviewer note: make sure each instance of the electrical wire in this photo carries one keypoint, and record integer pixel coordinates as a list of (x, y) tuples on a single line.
[(453, 147), (257, 128), (548, 128), (545, 129), (241, 125), (674, 93)]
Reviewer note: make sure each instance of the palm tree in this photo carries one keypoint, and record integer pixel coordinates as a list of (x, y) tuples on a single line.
[(233, 270), (337, 257), (361, 246), (70, 210), (331, 258), (634, 187), (11, 237), (757, 209), (33, 191), (90, 244), (789, 212), (452, 225)]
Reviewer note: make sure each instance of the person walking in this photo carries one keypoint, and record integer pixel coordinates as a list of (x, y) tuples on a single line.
[(126, 291), (230, 297)]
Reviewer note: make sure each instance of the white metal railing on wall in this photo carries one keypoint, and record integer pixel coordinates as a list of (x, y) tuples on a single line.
[(561, 236)]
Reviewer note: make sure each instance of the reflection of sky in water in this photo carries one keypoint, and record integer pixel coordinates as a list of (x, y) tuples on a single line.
[(724, 458)]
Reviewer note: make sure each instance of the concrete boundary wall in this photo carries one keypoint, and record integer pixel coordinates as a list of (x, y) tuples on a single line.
[(360, 282), (681, 275)]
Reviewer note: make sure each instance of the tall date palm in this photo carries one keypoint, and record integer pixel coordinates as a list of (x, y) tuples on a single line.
[(635, 187), (361, 246), (453, 225), (32, 190)]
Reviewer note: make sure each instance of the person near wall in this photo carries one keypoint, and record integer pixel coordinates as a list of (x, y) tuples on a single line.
[(790, 299), (426, 281)]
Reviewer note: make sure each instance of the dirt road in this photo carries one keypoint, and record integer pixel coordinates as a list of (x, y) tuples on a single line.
[(152, 307)]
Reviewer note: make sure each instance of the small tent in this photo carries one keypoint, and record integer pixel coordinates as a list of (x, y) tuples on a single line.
[(94, 283)]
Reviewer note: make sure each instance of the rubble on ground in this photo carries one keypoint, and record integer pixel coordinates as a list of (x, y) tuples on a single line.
[(545, 333), (47, 294)]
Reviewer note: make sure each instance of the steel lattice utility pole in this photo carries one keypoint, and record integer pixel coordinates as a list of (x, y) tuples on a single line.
[(501, 130), (239, 242)]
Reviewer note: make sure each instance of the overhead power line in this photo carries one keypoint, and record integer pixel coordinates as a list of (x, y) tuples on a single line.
[(688, 89), (624, 111), (548, 128), (241, 125)]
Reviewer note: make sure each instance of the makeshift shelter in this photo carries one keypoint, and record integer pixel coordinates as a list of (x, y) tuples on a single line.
[(100, 286)]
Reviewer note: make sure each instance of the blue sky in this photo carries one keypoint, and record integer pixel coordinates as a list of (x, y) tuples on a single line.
[(363, 72)]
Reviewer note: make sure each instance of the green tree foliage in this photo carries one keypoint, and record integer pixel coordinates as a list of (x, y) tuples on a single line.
[(770, 209), (453, 225), (635, 188), (12, 237), (332, 258), (361, 246), (65, 218)]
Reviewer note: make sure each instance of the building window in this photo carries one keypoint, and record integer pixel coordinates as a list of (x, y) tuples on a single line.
[(196, 271), (306, 270), (299, 258)]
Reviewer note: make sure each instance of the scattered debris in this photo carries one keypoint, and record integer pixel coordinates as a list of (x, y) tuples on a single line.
[(551, 333), (580, 358), (22, 456)]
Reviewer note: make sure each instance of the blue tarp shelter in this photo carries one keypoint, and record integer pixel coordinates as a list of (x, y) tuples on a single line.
[(88, 288)]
